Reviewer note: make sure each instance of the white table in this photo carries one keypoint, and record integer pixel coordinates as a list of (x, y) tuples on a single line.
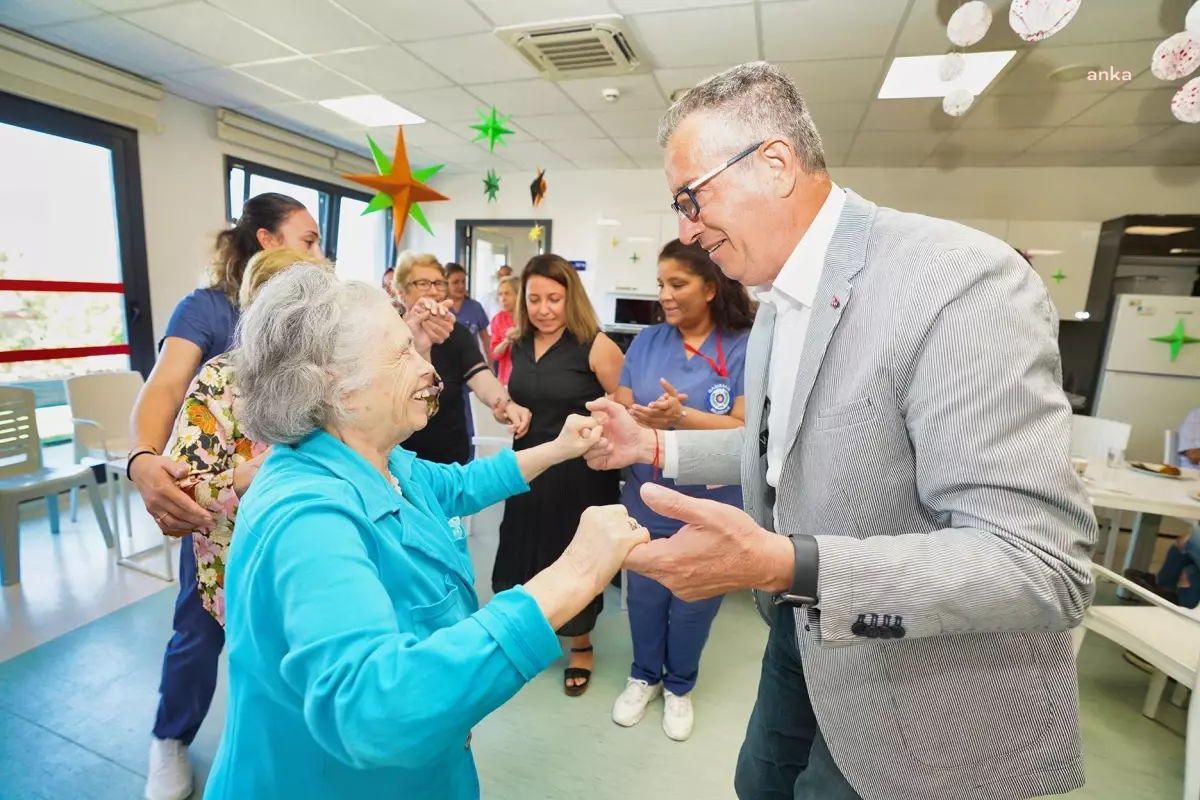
[(1126, 490)]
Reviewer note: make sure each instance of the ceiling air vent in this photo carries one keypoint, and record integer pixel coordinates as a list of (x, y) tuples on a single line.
[(580, 48)]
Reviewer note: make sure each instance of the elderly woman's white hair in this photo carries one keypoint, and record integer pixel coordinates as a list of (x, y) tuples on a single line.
[(303, 345)]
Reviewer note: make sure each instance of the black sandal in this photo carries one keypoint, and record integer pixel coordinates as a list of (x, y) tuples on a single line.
[(577, 673)]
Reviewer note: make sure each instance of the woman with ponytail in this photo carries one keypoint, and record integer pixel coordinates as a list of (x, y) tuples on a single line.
[(200, 329)]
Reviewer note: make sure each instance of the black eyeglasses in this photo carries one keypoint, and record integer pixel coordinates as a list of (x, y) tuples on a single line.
[(685, 199), (424, 284)]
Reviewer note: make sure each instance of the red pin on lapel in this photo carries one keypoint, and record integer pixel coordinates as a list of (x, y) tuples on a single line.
[(836, 303)]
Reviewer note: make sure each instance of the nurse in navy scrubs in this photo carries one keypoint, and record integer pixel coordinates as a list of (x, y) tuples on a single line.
[(685, 373)]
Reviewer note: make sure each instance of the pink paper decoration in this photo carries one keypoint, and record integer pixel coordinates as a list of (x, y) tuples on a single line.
[(1186, 103), (1035, 20), (952, 66), (1176, 58), (957, 102), (969, 24), (1192, 23)]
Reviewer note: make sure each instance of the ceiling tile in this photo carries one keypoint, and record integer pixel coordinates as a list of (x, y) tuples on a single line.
[(310, 26), (1146, 80), (319, 118), (412, 21), (992, 141), (1027, 110), (628, 124), (865, 159), (305, 78), (924, 31), (210, 31), (463, 126), (1032, 73), (535, 155), (637, 92), (562, 126), (481, 58), (232, 89), (439, 105), (1179, 137), (649, 6), (1130, 108), (574, 149), (948, 157), (115, 41), (122, 6), (1064, 159), (523, 97), (904, 142), (425, 134), (1144, 158), (385, 69), (32, 13), (646, 162), (641, 147), (616, 161), (671, 80), (1066, 140), (465, 155), (815, 29), (922, 114), (701, 37), (831, 117), (840, 81), (522, 12), (1103, 21)]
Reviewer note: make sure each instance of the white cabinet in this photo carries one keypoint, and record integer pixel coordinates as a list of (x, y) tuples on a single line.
[(628, 254), (1063, 254)]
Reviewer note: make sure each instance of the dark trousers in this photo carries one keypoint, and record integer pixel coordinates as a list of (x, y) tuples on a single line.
[(189, 673), (668, 634), (784, 756), (1183, 561)]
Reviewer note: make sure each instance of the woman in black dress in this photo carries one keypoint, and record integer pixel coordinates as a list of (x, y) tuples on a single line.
[(559, 363)]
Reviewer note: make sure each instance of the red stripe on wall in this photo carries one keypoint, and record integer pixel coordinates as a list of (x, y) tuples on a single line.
[(51, 354), (15, 285)]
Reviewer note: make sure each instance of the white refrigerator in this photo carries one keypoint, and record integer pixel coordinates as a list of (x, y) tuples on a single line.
[(1150, 375)]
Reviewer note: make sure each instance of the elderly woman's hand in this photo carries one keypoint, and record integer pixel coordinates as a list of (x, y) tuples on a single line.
[(602, 542), (431, 323), (578, 435)]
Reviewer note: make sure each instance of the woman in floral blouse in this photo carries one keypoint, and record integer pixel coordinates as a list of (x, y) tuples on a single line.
[(209, 440)]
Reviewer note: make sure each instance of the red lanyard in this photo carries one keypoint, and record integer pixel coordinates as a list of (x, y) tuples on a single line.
[(718, 365)]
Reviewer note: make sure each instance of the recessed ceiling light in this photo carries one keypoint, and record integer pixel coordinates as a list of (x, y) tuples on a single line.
[(640, 239), (1082, 315), (608, 222), (1043, 252), (372, 111), (1155, 230), (917, 76)]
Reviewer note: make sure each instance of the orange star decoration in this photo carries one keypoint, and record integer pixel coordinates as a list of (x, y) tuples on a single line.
[(399, 184)]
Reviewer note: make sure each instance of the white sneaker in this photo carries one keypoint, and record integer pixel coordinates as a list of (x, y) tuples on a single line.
[(170, 775), (678, 717), (631, 705)]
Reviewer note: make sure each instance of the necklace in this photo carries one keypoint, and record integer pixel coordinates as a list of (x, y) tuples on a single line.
[(395, 483)]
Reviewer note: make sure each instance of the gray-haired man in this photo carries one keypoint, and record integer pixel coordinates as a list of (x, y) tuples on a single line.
[(907, 432)]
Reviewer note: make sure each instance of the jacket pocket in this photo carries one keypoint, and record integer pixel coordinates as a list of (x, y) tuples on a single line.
[(967, 700), (844, 415), (435, 616)]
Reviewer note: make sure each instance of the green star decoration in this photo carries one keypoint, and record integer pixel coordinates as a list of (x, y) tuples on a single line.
[(491, 185), (1058, 276), (381, 200), (492, 129), (635, 258), (1177, 339)]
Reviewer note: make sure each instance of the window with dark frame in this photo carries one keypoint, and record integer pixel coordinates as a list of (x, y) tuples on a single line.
[(74, 281)]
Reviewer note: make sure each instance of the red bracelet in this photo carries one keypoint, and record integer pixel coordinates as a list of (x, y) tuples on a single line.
[(655, 453)]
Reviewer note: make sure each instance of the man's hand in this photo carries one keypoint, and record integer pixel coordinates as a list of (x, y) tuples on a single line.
[(430, 322), (664, 413), (718, 550), (624, 441), (174, 512), (1193, 456)]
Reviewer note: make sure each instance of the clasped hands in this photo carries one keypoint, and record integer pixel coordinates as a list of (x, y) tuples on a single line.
[(719, 549)]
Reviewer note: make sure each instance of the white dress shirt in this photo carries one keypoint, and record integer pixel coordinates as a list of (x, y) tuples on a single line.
[(791, 294)]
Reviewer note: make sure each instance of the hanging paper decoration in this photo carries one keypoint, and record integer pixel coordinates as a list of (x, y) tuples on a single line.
[(537, 189), (635, 258), (952, 66), (957, 102), (1058, 276), (1191, 23), (401, 188), (492, 128), (536, 233), (491, 185), (615, 241), (969, 24), (1186, 103), (1178, 339), (1035, 20), (1176, 58)]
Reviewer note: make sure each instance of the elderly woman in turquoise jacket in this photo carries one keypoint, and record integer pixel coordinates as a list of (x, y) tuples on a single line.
[(359, 658)]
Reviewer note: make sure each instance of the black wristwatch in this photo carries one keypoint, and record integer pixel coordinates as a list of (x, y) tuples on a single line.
[(803, 591)]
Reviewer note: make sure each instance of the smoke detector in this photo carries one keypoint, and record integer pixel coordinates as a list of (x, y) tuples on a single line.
[(588, 47)]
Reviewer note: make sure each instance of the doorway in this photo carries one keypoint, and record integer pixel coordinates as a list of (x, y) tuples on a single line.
[(482, 246)]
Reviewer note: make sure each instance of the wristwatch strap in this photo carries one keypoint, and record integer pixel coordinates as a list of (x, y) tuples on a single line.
[(807, 571)]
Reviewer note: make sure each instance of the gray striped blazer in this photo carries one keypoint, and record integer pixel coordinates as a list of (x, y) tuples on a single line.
[(929, 456)]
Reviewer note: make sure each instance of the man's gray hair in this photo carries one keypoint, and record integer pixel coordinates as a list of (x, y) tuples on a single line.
[(756, 96), (304, 343)]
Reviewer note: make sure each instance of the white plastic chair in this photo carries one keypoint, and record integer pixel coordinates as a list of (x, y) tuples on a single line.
[(490, 436), (1092, 438), (23, 477), (1163, 635), (100, 408)]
